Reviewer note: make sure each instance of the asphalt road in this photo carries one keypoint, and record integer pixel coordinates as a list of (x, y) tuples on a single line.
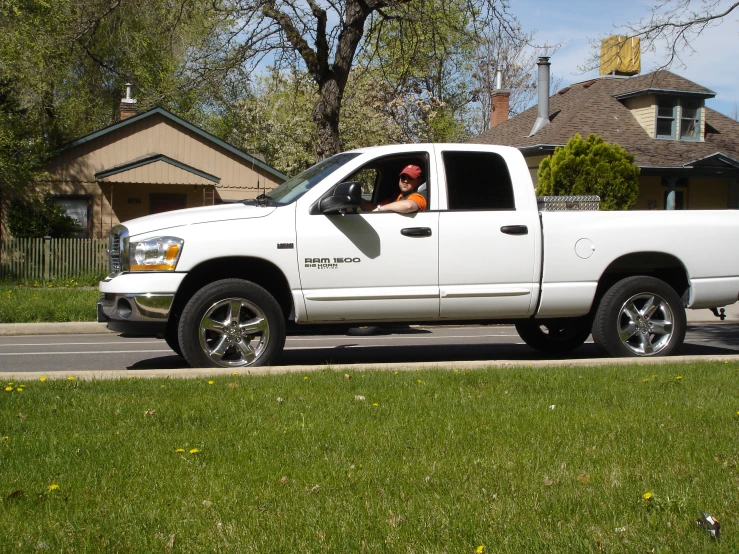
[(401, 344)]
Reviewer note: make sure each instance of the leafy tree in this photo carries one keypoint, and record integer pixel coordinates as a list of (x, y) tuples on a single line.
[(276, 118), (329, 37), (40, 217), (591, 167)]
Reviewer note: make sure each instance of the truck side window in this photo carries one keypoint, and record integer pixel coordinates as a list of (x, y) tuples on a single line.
[(478, 181)]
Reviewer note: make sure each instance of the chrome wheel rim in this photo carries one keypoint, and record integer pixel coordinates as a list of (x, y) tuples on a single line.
[(645, 324), (234, 332)]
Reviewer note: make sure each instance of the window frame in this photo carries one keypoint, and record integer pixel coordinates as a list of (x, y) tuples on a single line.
[(482, 153), (677, 118), (657, 117), (89, 199), (697, 119)]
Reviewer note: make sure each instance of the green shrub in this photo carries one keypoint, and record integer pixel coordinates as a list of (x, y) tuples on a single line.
[(591, 167)]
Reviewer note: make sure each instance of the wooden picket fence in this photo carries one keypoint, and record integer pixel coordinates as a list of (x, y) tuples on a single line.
[(48, 259)]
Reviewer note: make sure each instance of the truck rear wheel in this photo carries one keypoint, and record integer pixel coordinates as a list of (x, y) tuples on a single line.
[(640, 316), (554, 337), (231, 323)]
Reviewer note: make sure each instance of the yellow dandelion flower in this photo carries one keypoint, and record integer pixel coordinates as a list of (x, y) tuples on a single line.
[(194, 451), (305, 378), (726, 362), (395, 373), (180, 450), (53, 487), (70, 378), (679, 378), (5, 437), (235, 373), (654, 376), (164, 386), (645, 380), (419, 381), (8, 389), (737, 413), (456, 371), (480, 549), (19, 389), (375, 404), (132, 377), (647, 496), (210, 382)]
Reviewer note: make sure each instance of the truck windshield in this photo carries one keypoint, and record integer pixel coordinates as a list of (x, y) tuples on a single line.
[(291, 190)]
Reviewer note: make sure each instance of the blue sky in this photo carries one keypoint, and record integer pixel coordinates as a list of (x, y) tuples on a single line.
[(573, 22)]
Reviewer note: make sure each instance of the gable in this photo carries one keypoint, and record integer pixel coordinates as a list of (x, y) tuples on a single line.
[(158, 132), (156, 169)]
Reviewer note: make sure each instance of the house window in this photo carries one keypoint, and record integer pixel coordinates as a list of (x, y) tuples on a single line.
[(79, 208), (690, 123), (666, 112), (678, 118)]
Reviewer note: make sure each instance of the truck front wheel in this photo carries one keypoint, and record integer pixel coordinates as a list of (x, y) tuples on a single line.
[(640, 316), (554, 337), (231, 323)]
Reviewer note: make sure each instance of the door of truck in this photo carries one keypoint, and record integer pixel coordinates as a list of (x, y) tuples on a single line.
[(364, 266), (489, 237)]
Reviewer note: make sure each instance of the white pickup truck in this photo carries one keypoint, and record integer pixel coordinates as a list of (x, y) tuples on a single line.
[(224, 284)]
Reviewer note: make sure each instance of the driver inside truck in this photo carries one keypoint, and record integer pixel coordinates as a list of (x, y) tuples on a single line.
[(410, 199)]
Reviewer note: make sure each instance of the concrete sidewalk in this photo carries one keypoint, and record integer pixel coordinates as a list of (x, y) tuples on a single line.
[(91, 327)]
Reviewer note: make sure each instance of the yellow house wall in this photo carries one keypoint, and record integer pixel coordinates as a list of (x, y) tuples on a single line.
[(643, 109), (700, 194)]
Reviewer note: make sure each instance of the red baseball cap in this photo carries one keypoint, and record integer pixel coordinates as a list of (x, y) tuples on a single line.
[(413, 171)]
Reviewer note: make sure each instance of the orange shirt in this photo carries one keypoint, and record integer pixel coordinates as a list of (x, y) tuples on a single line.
[(416, 197)]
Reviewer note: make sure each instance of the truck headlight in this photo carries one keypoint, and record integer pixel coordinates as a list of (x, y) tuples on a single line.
[(157, 254)]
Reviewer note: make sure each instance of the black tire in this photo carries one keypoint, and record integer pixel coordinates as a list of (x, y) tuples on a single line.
[(213, 331), (640, 316), (556, 336), (171, 336)]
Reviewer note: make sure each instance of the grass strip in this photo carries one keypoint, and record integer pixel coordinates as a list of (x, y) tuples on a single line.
[(20, 304), (567, 459)]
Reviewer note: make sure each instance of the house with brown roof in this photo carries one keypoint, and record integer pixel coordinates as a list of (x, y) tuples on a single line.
[(147, 163), (687, 152)]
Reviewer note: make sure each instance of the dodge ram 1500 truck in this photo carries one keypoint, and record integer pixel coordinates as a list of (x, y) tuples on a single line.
[(222, 284)]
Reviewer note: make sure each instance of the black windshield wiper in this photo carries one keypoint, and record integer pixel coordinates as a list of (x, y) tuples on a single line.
[(264, 200), (261, 200)]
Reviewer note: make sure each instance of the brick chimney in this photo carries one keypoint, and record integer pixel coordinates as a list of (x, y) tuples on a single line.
[(128, 105), (499, 102)]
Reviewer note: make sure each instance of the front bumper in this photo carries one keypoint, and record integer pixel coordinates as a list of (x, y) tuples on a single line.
[(135, 313)]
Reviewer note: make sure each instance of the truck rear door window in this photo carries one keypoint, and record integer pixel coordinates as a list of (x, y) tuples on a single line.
[(478, 181)]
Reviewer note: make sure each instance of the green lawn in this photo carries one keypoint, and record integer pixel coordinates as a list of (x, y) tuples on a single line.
[(515, 460), (33, 304)]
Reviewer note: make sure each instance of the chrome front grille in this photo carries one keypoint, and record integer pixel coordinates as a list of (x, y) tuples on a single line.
[(117, 249)]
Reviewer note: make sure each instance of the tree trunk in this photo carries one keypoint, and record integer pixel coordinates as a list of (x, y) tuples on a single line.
[(326, 117)]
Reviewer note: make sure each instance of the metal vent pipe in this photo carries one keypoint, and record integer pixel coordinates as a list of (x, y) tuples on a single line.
[(542, 114)]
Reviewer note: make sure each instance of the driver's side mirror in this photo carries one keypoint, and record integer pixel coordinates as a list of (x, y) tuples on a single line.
[(345, 196)]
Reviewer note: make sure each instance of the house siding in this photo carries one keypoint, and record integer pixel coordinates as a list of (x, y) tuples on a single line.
[(159, 135), (125, 195), (643, 109)]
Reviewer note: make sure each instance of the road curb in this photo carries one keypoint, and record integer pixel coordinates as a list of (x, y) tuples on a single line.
[(65, 328), (200, 373)]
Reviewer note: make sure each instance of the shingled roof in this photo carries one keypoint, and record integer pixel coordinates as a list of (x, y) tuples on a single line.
[(594, 107)]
